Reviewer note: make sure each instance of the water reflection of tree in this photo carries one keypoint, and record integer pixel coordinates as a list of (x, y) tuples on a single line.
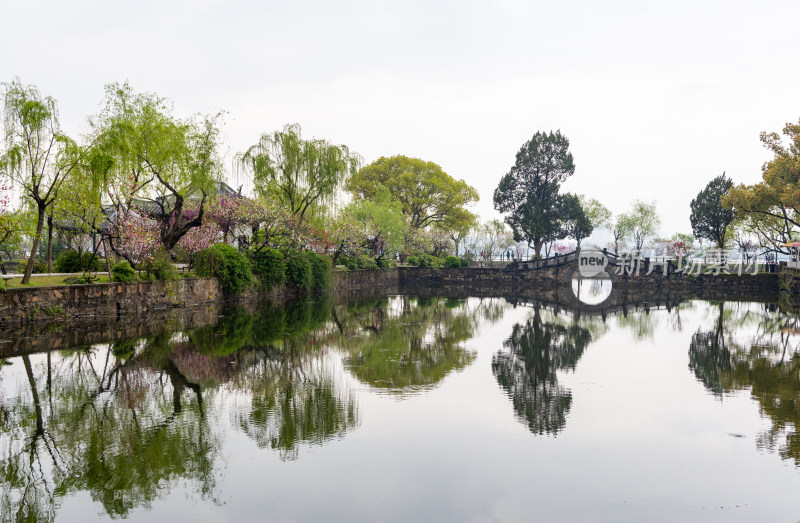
[(410, 344), (527, 368), (128, 421), (767, 363), (295, 399), (121, 430)]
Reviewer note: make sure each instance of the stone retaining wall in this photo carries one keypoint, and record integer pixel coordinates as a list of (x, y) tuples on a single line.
[(58, 303), (39, 304), (49, 304)]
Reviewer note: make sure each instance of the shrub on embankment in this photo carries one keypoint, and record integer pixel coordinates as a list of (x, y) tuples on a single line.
[(269, 266), (227, 264), (302, 270), (71, 261)]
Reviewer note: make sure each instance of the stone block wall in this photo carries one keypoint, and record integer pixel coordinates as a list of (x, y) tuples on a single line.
[(103, 299), (74, 302)]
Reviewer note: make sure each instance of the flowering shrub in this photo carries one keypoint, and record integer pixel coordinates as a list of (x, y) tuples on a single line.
[(677, 249), (562, 248), (197, 238), (135, 236)]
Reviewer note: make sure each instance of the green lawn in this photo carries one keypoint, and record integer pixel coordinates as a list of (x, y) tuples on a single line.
[(45, 281)]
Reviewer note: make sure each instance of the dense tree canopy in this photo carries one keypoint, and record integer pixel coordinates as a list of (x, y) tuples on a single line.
[(145, 158), (710, 220), (773, 205), (381, 222), (576, 223), (529, 193), (428, 195), (299, 173)]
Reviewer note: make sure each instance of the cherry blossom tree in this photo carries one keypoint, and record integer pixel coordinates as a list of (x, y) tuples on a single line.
[(198, 238)]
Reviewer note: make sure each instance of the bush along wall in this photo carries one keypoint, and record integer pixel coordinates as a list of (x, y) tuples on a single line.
[(302, 270), (228, 265), (71, 261), (308, 270), (298, 271), (269, 266)]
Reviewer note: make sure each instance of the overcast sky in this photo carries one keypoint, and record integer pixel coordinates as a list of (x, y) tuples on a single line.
[(656, 98)]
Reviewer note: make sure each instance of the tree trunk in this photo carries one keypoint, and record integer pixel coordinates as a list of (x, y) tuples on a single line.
[(35, 394), (49, 243), (537, 248), (105, 252), (36, 239)]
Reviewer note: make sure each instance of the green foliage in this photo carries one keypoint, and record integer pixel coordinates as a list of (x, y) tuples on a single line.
[(70, 261), (426, 260), (575, 223), (771, 208), (351, 262), (413, 260), (227, 264), (39, 266), (710, 220), (597, 213), (381, 221), (529, 193), (464, 261), (299, 173), (143, 151), (452, 262), (269, 266), (427, 194), (643, 222), (385, 263), (2, 286), (298, 271), (365, 262), (122, 272), (320, 270), (37, 156), (160, 267), (55, 310), (83, 279)]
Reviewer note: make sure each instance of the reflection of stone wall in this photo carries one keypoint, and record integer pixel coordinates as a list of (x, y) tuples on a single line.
[(82, 332), (557, 277), (790, 282), (103, 300), (73, 302)]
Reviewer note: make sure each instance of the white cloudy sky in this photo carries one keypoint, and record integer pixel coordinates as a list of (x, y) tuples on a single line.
[(656, 97)]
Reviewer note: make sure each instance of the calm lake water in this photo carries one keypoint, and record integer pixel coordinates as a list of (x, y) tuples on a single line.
[(415, 409)]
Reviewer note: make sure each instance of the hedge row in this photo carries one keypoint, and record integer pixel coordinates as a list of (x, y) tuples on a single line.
[(236, 270), (426, 260)]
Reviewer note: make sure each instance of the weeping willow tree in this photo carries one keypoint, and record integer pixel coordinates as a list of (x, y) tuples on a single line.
[(148, 160), (36, 155), (303, 175)]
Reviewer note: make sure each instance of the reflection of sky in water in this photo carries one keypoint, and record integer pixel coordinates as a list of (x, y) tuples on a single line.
[(517, 413), (591, 291)]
